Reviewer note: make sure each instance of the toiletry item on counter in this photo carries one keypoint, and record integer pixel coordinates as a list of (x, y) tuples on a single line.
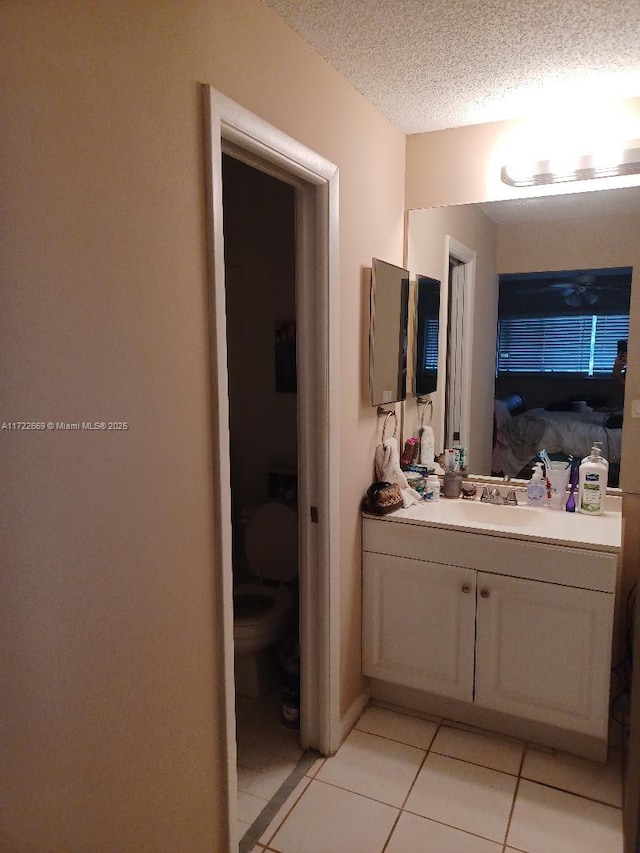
[(571, 500), (455, 459), (592, 482), (409, 452), (558, 476), (452, 484), (537, 488), (416, 481), (598, 445), (423, 470), (382, 498), (469, 491), (432, 488)]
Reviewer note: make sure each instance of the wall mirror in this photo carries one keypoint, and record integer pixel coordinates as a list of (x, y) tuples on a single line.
[(388, 333), (571, 231), (427, 334)]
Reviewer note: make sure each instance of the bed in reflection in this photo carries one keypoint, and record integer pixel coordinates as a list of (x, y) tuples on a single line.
[(520, 435)]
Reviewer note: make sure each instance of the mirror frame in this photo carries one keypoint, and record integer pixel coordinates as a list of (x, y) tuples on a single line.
[(377, 357)]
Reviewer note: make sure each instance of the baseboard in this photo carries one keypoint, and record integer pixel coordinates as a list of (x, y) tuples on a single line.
[(348, 721)]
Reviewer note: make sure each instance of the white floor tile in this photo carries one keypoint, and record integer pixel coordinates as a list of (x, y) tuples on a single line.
[(413, 833), (373, 766), (545, 820), (466, 796), (601, 782), (245, 777), (249, 806), (266, 785), (243, 826), (326, 819), (254, 757), (317, 764), (263, 760), (284, 810), (400, 727), (486, 750)]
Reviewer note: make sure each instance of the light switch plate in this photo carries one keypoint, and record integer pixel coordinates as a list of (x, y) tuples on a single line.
[(635, 409)]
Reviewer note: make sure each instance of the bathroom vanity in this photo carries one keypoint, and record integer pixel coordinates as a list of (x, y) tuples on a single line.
[(495, 616)]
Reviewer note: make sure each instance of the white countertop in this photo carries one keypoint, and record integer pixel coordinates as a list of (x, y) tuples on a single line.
[(574, 530)]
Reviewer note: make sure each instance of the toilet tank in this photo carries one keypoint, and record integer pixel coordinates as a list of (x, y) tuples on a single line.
[(271, 542)]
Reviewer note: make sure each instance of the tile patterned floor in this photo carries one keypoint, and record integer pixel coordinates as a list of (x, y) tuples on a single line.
[(401, 784), (267, 755)]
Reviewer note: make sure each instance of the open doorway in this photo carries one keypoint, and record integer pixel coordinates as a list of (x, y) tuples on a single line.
[(231, 128), (259, 244)]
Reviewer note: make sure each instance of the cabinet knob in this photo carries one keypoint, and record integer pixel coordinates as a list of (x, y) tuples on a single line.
[(484, 593), (466, 587)]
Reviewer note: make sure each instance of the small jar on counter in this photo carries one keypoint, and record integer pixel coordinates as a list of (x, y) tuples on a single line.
[(432, 488), (452, 484), (415, 481)]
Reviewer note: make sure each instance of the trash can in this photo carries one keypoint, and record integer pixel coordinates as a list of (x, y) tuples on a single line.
[(290, 683)]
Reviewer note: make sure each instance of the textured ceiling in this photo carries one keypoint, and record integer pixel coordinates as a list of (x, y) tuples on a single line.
[(448, 63)]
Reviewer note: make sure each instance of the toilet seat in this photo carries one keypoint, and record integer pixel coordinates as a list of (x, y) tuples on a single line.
[(281, 601)]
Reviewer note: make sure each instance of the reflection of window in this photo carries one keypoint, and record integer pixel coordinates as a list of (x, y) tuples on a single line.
[(430, 345), (585, 344)]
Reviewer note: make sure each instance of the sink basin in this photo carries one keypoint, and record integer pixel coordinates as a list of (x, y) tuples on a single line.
[(482, 513)]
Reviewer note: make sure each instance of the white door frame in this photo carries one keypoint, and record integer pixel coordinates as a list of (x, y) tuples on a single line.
[(316, 181), (467, 257)]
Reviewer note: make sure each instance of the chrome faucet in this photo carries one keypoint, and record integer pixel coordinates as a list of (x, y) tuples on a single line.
[(496, 497)]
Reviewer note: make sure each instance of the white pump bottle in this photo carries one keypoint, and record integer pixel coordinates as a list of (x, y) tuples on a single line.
[(592, 483)]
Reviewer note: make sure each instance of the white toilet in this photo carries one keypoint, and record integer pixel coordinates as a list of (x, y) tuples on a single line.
[(260, 611)]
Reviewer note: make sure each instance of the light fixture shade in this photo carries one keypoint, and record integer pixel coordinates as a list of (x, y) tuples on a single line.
[(584, 168)]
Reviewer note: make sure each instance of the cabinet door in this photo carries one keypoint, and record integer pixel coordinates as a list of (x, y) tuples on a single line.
[(544, 652), (419, 624)]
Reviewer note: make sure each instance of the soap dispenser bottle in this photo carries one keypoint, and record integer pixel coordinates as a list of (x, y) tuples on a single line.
[(592, 482), (537, 488)]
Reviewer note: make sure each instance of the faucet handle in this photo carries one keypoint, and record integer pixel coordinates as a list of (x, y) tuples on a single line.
[(511, 498), (485, 497)]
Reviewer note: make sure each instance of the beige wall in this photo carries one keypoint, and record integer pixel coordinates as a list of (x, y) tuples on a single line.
[(426, 233), (109, 668)]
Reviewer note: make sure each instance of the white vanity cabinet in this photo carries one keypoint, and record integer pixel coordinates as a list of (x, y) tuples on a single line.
[(519, 627), (419, 624)]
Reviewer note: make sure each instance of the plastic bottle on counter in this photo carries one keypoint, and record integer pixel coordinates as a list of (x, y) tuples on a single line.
[(432, 488), (537, 488), (592, 483)]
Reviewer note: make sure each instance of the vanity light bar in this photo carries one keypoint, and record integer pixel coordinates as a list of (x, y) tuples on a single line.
[(583, 168)]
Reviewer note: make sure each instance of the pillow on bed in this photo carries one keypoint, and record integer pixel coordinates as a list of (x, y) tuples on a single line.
[(501, 414)]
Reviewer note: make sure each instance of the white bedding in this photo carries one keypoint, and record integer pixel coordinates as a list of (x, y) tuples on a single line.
[(519, 439)]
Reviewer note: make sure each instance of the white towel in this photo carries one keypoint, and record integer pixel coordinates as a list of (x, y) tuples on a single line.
[(427, 449), (388, 470)]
